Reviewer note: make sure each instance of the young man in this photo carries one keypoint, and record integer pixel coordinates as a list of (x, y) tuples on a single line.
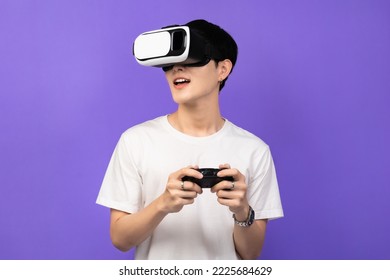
[(165, 217)]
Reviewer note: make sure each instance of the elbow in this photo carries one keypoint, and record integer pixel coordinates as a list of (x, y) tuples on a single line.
[(121, 247), (250, 255), (120, 244)]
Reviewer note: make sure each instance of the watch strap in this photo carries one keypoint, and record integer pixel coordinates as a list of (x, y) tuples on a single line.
[(249, 221)]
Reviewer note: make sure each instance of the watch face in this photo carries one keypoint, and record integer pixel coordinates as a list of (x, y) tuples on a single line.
[(251, 217)]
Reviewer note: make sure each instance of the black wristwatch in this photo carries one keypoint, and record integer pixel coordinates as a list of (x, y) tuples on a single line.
[(249, 220)]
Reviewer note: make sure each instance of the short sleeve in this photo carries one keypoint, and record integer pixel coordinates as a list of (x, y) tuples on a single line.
[(263, 190), (121, 187)]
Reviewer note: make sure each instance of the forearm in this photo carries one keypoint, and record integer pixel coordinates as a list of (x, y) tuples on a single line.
[(249, 240), (129, 230)]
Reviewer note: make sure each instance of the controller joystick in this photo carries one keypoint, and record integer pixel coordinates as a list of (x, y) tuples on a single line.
[(209, 179)]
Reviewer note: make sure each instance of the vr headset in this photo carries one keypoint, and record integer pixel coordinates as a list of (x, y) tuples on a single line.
[(173, 45)]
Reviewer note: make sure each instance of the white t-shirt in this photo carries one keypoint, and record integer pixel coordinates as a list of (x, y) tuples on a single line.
[(148, 153)]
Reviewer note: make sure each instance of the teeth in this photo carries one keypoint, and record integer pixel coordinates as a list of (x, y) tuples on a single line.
[(179, 81)]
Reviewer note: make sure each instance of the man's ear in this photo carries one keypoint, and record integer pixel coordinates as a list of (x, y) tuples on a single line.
[(225, 67)]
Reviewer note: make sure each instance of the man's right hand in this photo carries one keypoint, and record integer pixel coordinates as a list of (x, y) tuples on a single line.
[(178, 193)]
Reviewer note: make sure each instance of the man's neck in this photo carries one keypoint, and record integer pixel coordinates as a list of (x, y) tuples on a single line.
[(198, 122)]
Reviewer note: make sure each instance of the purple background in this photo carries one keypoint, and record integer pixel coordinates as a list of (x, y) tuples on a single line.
[(312, 80)]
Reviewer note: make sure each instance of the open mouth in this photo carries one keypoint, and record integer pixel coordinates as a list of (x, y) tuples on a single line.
[(180, 81)]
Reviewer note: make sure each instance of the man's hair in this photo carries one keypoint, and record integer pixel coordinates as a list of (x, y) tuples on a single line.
[(219, 39)]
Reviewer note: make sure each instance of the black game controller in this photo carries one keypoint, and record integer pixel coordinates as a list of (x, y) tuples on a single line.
[(209, 179)]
